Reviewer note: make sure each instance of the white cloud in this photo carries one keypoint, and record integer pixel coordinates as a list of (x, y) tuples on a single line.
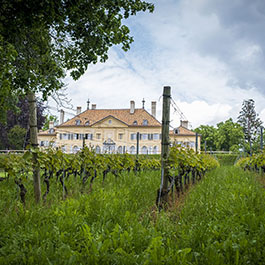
[(211, 59)]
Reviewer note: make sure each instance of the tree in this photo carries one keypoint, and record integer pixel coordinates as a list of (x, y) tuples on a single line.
[(208, 134), (49, 118), (249, 120), (16, 137), (229, 136), (45, 38), (20, 118), (52, 36)]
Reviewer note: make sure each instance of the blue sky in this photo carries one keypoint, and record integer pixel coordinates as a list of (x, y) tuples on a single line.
[(211, 53)]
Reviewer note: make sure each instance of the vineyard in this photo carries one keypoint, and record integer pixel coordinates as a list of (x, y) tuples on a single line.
[(86, 166), (101, 209)]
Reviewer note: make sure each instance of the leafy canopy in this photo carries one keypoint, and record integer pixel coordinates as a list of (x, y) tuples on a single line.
[(41, 39)]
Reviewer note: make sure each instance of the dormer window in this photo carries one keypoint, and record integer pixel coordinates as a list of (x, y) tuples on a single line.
[(51, 130), (77, 122), (176, 131), (145, 122), (135, 123), (87, 123)]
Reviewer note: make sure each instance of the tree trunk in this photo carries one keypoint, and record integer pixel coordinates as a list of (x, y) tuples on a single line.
[(34, 145)]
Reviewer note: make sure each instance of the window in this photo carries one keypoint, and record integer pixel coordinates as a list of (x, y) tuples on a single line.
[(87, 123), (98, 135), (192, 144), (51, 130), (155, 149), (41, 143), (150, 136), (132, 150), (156, 136), (133, 136), (75, 149), (98, 150), (135, 123), (64, 136), (119, 150), (77, 122), (89, 136), (144, 136), (120, 136), (145, 122), (64, 149), (144, 150), (110, 121)]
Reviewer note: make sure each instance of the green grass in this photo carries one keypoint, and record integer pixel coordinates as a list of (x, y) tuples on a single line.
[(222, 222)]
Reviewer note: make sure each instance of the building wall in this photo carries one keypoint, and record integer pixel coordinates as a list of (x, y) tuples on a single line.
[(123, 136)]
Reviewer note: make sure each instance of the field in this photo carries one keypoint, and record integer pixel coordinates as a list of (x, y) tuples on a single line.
[(221, 220)]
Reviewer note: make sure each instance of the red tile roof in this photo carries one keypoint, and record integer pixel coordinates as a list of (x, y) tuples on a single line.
[(95, 115)]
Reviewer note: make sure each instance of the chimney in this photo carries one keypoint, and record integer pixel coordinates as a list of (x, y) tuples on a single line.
[(94, 106), (61, 116), (132, 107), (78, 110), (87, 104), (184, 124), (51, 124), (153, 108)]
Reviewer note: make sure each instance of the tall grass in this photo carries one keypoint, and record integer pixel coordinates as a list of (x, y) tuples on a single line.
[(222, 222)]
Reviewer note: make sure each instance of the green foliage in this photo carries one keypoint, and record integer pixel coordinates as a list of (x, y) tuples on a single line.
[(249, 120), (8, 98), (229, 135), (49, 118), (222, 222), (16, 137), (41, 39), (223, 219), (226, 159), (208, 134)]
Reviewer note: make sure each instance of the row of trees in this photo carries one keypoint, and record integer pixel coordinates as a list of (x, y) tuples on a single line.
[(242, 135)]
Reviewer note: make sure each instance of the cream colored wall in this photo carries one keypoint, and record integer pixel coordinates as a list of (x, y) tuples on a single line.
[(187, 138), (111, 130)]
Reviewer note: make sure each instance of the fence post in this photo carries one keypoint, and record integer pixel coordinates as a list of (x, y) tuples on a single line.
[(162, 194), (34, 144), (196, 143), (261, 138)]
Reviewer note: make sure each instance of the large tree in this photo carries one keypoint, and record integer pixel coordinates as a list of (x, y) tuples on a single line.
[(229, 136), (208, 135), (42, 39), (249, 120)]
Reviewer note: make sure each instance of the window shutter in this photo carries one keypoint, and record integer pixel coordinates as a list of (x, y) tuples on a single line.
[(61, 137), (91, 136)]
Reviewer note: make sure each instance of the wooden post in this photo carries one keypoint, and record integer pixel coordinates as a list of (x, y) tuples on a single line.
[(261, 138), (137, 143), (163, 195), (196, 143), (34, 144)]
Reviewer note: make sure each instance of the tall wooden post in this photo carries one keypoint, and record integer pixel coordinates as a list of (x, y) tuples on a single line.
[(196, 143), (34, 144), (261, 138), (137, 143), (163, 195)]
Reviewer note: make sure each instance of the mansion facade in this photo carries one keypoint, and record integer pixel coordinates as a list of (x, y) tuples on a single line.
[(113, 131)]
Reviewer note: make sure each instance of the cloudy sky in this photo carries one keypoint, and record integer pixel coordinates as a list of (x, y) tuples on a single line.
[(211, 53)]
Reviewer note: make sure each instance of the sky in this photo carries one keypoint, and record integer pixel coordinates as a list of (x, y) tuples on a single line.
[(211, 53)]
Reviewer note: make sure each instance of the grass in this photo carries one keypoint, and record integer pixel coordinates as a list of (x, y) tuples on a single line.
[(222, 222)]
